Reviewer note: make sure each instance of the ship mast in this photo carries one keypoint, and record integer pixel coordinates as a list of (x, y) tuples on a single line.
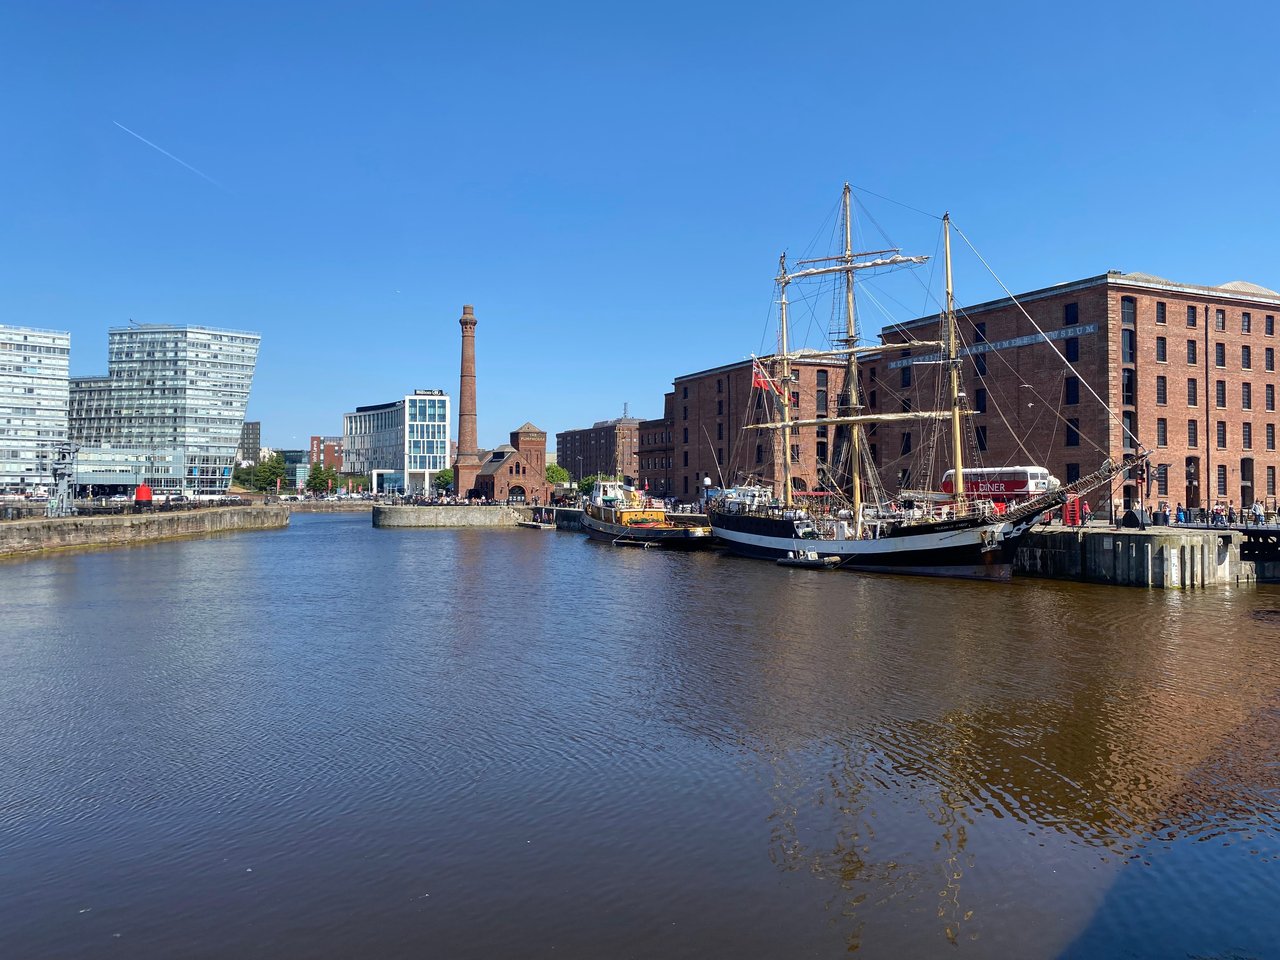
[(953, 364), (853, 401), (784, 383)]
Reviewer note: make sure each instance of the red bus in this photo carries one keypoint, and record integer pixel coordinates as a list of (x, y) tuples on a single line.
[(1003, 484)]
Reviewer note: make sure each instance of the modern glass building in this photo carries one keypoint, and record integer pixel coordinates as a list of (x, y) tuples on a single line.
[(409, 437), (169, 411), (34, 376)]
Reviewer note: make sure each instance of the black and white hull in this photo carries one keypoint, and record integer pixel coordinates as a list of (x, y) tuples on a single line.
[(967, 548)]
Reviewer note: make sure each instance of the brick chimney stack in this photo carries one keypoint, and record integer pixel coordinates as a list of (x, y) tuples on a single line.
[(468, 463)]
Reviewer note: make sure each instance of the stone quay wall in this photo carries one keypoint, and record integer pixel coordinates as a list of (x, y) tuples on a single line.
[(1165, 557), (445, 516), (29, 537)]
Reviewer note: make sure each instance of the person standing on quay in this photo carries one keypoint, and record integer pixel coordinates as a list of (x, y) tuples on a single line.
[(1086, 514)]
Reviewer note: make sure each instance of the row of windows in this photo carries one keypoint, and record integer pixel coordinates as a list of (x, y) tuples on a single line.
[(1219, 355), (1219, 317), (1193, 399), (1220, 434)]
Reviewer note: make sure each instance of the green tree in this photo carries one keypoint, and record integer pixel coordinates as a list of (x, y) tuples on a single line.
[(316, 481), (586, 483), (269, 470), (243, 477), (557, 474), (443, 479)]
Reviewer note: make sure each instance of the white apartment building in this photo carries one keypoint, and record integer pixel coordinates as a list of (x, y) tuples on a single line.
[(34, 376)]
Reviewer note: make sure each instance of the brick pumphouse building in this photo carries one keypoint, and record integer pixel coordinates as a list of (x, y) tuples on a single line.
[(1190, 371), (518, 470)]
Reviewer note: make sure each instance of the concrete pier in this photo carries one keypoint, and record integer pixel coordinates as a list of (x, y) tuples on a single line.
[(20, 538), (1170, 558)]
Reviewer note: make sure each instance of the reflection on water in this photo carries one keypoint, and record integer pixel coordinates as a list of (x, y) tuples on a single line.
[(336, 741)]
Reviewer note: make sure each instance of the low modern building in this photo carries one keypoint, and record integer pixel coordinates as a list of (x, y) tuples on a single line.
[(247, 453), (607, 447), (517, 471), (34, 387), (401, 445), (169, 412)]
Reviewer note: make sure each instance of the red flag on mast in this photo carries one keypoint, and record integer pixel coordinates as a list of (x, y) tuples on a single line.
[(760, 380)]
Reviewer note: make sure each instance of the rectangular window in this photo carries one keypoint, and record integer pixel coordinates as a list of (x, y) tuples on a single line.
[(1128, 346), (1073, 472), (1162, 480), (685, 395), (1219, 354), (1246, 358), (980, 434), (1128, 387), (822, 451), (1071, 350), (820, 433), (1193, 394), (719, 386), (906, 443), (720, 408), (980, 365), (795, 453), (980, 332), (1246, 435), (1222, 480), (1162, 391), (1220, 393), (821, 401), (1271, 481), (1162, 432), (1219, 319), (759, 453), (1269, 359), (1071, 390), (1269, 325), (1162, 350), (871, 400), (1246, 323), (1222, 434), (1129, 419), (1193, 433), (719, 456), (1073, 432), (1128, 311), (686, 458), (1269, 394), (1191, 316), (906, 376), (685, 414), (1271, 436), (1191, 352), (686, 434), (1070, 314), (822, 379), (719, 431), (1246, 396), (1160, 317), (980, 400)]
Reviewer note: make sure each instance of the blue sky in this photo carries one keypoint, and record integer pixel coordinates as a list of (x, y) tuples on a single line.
[(610, 185)]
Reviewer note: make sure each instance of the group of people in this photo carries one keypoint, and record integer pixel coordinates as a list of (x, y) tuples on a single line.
[(1222, 516)]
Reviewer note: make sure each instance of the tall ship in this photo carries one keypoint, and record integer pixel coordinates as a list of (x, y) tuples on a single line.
[(957, 530), (618, 513)]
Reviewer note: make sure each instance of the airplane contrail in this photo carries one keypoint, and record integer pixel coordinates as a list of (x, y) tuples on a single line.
[(172, 157)]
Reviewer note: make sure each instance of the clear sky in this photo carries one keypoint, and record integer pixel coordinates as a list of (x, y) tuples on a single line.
[(609, 184)]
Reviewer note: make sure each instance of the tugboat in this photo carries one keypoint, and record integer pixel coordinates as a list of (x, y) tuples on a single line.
[(618, 513)]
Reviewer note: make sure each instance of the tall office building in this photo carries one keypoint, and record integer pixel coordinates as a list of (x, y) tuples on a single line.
[(401, 445), (169, 411), (34, 372), (250, 443)]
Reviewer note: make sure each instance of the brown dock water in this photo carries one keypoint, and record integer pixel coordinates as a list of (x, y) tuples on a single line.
[(334, 741)]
